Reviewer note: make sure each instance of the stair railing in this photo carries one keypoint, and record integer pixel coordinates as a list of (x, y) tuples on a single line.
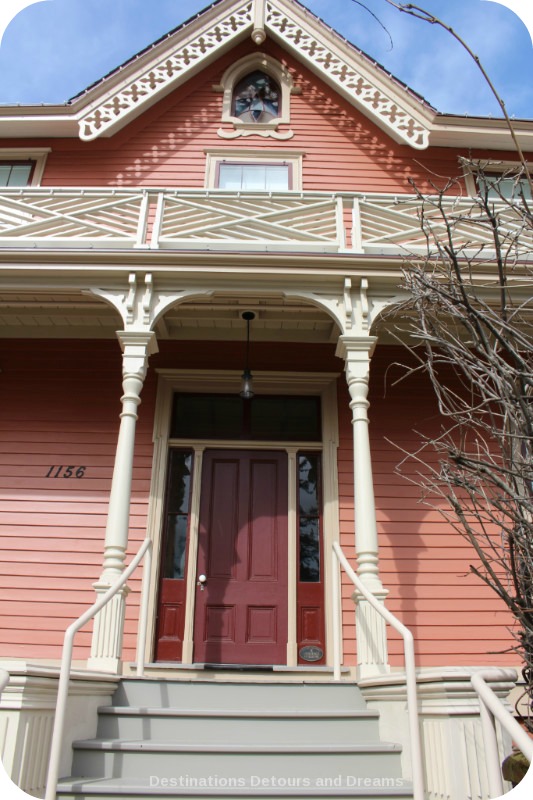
[(491, 709), (409, 657), (66, 660)]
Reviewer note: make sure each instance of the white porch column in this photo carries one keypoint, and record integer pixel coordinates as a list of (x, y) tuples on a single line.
[(106, 644), (372, 656)]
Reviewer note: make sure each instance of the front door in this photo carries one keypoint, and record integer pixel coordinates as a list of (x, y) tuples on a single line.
[(241, 606)]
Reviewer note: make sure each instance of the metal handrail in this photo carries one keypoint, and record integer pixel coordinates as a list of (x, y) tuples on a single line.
[(66, 662), (409, 657), (491, 709)]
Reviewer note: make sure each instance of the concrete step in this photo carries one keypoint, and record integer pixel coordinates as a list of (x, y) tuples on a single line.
[(246, 695), (264, 727), (185, 788), (233, 739), (140, 759)]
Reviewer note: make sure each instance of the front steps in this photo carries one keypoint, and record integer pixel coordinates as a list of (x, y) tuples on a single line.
[(181, 739)]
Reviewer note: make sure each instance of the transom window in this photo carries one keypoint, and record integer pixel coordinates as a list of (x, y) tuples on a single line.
[(254, 177), (262, 418), (16, 173)]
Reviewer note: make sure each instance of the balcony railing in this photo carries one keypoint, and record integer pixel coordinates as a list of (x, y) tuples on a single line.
[(217, 220)]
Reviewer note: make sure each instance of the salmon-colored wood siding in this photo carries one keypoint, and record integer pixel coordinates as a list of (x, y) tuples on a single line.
[(165, 147), (59, 406), (60, 403)]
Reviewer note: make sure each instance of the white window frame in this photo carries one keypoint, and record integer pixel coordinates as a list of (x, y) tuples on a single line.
[(291, 157), (488, 166), (36, 154)]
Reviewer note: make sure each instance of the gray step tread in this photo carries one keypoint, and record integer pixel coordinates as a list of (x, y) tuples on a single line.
[(120, 787), (170, 747), (157, 711)]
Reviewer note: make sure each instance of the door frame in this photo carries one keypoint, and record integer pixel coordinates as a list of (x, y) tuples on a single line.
[(224, 381)]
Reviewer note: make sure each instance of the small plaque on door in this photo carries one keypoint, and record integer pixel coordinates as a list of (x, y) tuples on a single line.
[(311, 653)]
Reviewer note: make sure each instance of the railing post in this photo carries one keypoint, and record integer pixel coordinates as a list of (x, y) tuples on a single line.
[(142, 224), (158, 221), (106, 645), (357, 231), (372, 656)]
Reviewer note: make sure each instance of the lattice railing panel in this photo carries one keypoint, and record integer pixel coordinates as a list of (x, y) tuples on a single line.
[(30, 215), (309, 220), (395, 223)]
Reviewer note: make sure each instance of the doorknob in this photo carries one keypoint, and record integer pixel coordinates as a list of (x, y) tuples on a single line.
[(202, 580)]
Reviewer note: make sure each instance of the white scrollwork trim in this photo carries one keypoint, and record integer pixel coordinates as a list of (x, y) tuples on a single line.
[(352, 82), (168, 70), (256, 131)]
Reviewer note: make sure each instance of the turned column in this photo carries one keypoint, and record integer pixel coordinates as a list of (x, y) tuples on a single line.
[(372, 657), (106, 644)]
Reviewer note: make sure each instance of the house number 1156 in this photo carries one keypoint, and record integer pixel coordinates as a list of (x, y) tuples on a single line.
[(65, 472)]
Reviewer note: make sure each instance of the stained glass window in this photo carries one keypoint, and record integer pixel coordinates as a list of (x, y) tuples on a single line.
[(256, 98)]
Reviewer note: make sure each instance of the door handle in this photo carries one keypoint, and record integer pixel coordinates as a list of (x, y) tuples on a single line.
[(202, 580)]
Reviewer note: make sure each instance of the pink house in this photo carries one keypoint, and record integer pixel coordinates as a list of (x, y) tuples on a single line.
[(234, 198)]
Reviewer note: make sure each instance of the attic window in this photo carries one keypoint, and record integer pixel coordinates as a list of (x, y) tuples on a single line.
[(257, 98)]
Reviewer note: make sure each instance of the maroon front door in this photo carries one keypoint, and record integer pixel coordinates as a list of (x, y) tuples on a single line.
[(241, 611)]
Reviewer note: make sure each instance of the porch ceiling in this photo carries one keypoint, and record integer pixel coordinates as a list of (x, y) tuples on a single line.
[(76, 315)]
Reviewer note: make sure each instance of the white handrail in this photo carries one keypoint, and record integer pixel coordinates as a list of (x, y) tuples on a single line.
[(4, 679), (66, 661), (491, 709), (409, 656)]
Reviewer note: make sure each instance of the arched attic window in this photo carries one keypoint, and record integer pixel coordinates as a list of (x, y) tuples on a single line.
[(257, 91), (256, 98)]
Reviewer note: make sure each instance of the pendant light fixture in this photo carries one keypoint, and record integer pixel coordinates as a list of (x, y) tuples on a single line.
[(246, 379)]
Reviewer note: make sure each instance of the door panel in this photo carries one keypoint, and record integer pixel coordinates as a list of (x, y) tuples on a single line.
[(241, 614)]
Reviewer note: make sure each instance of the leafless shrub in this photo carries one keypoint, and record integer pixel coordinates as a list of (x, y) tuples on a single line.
[(469, 324)]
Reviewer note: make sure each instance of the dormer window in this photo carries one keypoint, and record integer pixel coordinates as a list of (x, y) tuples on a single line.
[(257, 98)]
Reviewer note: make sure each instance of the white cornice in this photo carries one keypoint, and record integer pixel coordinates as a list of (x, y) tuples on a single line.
[(116, 100)]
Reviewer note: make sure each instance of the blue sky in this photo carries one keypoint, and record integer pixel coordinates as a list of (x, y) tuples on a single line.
[(52, 50)]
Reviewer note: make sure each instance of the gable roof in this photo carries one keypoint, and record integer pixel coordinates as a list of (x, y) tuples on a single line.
[(143, 80)]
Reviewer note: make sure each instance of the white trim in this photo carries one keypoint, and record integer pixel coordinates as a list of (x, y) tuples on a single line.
[(488, 165), (36, 154), (215, 157), (323, 384)]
